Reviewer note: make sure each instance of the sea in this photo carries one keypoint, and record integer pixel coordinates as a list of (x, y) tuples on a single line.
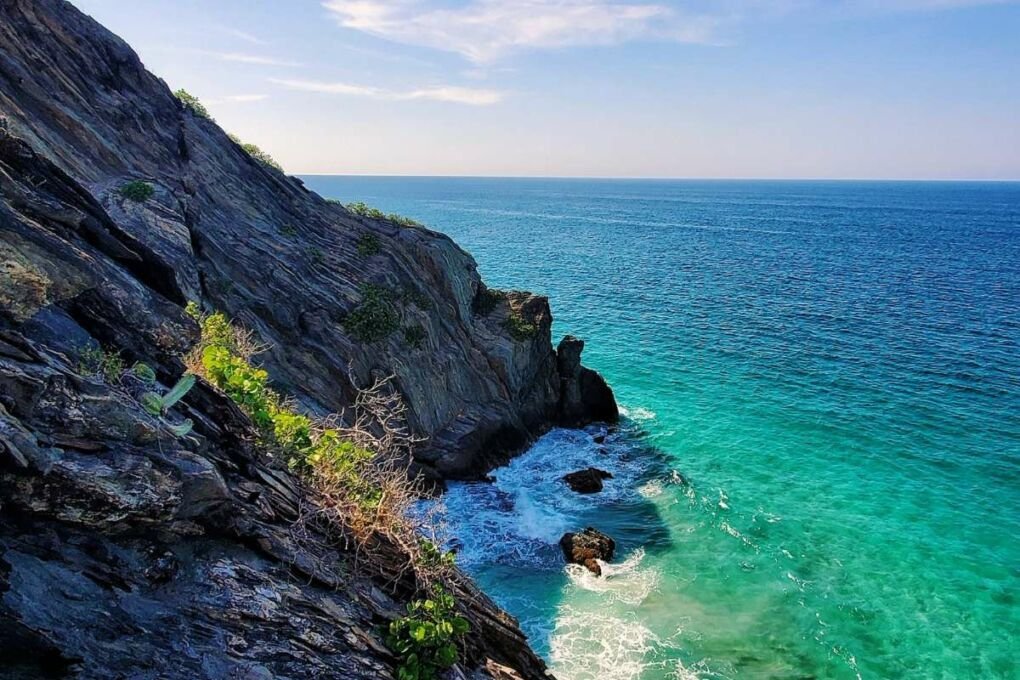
[(817, 474)]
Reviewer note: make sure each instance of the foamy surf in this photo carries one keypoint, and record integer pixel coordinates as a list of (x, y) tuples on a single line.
[(594, 645), (626, 582)]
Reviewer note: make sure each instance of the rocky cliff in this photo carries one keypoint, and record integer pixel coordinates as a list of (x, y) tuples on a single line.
[(126, 551)]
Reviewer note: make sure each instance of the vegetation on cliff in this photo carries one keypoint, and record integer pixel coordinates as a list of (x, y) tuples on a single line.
[(359, 208), (366, 495), (256, 152)]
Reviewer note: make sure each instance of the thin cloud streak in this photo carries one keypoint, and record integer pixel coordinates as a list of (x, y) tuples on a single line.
[(244, 58), (244, 98), (243, 35), (445, 93), (486, 30)]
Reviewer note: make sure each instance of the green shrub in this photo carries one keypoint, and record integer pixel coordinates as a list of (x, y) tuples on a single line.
[(316, 255), (375, 318), (415, 336), (518, 328), (288, 230), (359, 208), (368, 245), (223, 360), (416, 297), (191, 103), (100, 363), (255, 152), (486, 300), (137, 191), (426, 639)]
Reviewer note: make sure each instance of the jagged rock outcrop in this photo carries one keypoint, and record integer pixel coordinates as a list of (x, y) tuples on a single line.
[(128, 552), (584, 394), (587, 547), (586, 481)]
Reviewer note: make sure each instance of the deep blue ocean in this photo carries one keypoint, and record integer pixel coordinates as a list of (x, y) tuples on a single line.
[(818, 475)]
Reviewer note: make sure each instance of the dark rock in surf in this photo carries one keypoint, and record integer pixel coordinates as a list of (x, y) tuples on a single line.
[(587, 548), (600, 438), (587, 481)]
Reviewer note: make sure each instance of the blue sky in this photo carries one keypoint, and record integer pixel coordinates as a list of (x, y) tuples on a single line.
[(608, 88)]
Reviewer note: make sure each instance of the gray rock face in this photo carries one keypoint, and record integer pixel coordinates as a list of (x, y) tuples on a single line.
[(128, 552), (83, 118)]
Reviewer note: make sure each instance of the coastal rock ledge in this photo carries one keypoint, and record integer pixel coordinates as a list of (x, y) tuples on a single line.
[(127, 550)]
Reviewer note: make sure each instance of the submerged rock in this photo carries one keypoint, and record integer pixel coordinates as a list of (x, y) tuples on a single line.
[(587, 547), (587, 481)]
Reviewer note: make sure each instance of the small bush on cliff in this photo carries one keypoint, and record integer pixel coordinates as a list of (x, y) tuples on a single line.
[(368, 245), (415, 336), (518, 328), (191, 103), (375, 318), (100, 363), (137, 191), (359, 208), (255, 152), (426, 639), (360, 485), (223, 357), (486, 300)]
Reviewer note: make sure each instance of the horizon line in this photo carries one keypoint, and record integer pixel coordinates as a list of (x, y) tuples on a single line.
[(666, 178)]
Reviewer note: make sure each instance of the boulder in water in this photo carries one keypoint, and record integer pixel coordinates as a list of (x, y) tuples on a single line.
[(587, 547), (587, 481)]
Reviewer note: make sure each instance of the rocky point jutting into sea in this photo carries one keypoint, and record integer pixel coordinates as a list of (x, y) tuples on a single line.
[(127, 550)]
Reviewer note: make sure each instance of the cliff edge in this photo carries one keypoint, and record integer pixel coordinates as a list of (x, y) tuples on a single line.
[(129, 551)]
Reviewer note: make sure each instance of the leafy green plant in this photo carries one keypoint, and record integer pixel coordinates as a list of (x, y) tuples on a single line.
[(368, 245), (224, 361), (287, 230), (191, 103), (426, 638), (360, 208), (415, 336), (144, 373), (137, 191), (255, 152), (518, 328), (98, 362), (375, 318), (316, 255), (158, 405), (486, 300)]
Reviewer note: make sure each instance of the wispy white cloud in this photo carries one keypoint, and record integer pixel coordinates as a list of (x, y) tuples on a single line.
[(245, 58), (443, 93), (484, 30), (242, 35), (244, 98)]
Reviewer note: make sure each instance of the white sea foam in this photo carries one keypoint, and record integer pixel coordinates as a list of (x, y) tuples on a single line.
[(595, 645), (637, 413), (626, 582)]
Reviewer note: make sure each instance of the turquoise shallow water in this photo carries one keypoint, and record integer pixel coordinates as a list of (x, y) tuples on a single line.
[(819, 475)]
